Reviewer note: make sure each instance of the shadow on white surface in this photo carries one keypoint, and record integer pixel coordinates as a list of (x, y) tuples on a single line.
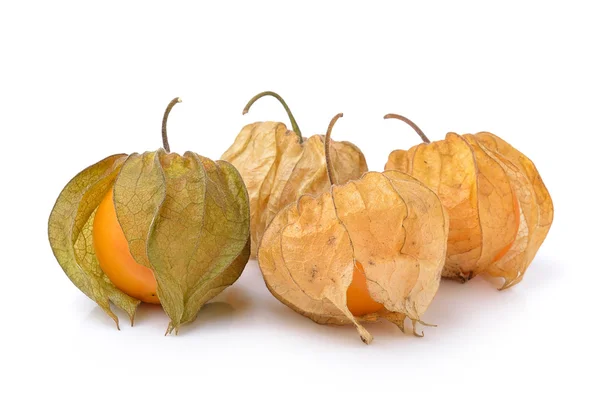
[(457, 308), (154, 317), (250, 308), (463, 304), (223, 310), (543, 272)]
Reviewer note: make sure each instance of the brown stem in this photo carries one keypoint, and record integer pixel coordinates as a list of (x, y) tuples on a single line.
[(410, 123), (164, 123), (327, 145), (295, 127)]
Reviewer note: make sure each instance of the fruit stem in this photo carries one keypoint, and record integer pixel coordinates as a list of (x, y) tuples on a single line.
[(164, 123), (327, 145), (295, 127), (410, 123)]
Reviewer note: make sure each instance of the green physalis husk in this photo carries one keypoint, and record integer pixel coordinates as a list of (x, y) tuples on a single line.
[(185, 217)]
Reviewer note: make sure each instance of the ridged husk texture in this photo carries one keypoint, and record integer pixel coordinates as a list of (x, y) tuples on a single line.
[(390, 223), (277, 169), (500, 211), (185, 217)]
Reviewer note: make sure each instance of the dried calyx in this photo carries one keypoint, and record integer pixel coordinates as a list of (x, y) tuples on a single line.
[(279, 165), (500, 210), (375, 245)]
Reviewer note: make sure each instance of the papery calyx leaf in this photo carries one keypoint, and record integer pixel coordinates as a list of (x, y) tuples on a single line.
[(69, 231), (500, 211), (189, 220), (278, 166), (184, 220), (387, 225)]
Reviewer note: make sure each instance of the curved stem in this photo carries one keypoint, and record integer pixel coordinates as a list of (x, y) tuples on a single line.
[(410, 123), (164, 123), (327, 145), (285, 106)]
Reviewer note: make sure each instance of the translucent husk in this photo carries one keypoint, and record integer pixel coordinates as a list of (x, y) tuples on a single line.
[(279, 165), (500, 210), (390, 223)]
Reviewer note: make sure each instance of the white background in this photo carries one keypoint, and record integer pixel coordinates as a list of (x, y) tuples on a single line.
[(79, 82)]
